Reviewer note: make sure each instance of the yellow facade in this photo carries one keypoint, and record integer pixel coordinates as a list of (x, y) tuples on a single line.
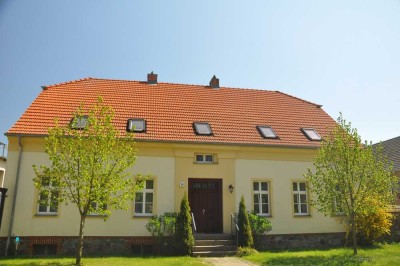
[(171, 165)]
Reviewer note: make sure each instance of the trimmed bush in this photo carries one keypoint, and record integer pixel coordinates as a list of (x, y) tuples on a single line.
[(259, 226), (163, 228), (245, 236), (184, 234)]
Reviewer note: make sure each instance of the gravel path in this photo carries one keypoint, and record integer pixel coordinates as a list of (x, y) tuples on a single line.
[(228, 261)]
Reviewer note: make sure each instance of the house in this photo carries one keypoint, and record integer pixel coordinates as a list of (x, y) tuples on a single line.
[(212, 142), (391, 149)]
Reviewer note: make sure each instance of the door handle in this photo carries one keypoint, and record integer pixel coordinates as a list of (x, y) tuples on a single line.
[(204, 211)]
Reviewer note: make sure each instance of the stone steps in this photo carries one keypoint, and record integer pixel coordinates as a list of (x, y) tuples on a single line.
[(214, 245)]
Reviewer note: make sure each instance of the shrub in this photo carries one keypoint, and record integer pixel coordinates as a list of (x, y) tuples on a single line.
[(241, 252), (163, 228), (184, 234), (373, 223), (245, 237), (259, 226)]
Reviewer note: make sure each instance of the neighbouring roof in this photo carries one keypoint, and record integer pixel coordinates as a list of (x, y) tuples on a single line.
[(171, 109), (391, 148)]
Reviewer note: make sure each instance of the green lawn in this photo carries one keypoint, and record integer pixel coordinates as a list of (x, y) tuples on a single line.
[(150, 261), (379, 255)]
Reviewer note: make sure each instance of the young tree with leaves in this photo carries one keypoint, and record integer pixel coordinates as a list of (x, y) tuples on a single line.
[(347, 175), (89, 159), (245, 238)]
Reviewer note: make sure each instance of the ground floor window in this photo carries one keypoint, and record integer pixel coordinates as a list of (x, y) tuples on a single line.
[(144, 199), (300, 200), (261, 199)]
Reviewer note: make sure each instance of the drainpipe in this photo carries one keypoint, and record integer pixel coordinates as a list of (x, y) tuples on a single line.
[(15, 195)]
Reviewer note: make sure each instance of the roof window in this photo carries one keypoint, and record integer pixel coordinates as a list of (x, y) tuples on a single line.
[(202, 128), (311, 134), (136, 125), (267, 132), (79, 122)]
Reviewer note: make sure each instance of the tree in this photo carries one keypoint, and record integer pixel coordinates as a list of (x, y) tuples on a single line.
[(89, 159), (184, 234), (349, 174), (245, 238)]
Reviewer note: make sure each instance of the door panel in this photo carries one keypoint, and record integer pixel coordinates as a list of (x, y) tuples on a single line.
[(205, 198)]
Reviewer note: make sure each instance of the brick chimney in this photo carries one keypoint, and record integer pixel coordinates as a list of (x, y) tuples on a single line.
[(214, 82), (151, 78)]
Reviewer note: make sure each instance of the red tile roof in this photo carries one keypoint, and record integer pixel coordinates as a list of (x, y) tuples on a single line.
[(170, 109)]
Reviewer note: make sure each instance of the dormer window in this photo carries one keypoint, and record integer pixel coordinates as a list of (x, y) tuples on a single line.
[(79, 122), (311, 134), (202, 128), (136, 125), (267, 132)]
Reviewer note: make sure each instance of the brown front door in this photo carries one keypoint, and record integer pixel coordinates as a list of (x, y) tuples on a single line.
[(205, 198)]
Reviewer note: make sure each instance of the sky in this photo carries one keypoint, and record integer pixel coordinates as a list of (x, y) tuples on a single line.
[(344, 55)]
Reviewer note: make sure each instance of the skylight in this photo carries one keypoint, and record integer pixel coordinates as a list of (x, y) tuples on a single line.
[(136, 125), (267, 132), (202, 128), (79, 122), (311, 134)]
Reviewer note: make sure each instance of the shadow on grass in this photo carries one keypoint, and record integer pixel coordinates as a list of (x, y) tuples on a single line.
[(277, 250), (319, 260)]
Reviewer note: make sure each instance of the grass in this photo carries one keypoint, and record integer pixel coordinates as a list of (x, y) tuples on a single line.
[(378, 255), (147, 261)]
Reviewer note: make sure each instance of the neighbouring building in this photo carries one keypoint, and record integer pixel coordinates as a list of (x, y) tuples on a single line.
[(214, 143)]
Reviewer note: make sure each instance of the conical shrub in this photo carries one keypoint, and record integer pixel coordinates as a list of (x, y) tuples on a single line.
[(245, 237), (184, 234)]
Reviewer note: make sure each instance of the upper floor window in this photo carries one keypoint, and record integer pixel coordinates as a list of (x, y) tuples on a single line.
[(261, 198), (48, 198), (300, 200), (205, 158), (311, 134), (144, 199), (267, 132), (136, 125), (202, 128), (79, 122)]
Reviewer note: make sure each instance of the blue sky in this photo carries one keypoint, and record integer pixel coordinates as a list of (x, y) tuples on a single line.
[(344, 55)]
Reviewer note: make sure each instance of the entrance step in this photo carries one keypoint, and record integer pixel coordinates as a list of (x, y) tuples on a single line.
[(214, 245)]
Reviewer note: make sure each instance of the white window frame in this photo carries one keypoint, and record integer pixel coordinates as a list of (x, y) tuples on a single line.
[(144, 192), (49, 199), (131, 125), (259, 194), (297, 193), (204, 158)]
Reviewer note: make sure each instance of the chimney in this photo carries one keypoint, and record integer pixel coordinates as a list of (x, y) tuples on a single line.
[(214, 82), (151, 78)]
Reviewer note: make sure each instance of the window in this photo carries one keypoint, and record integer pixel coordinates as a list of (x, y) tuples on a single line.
[(79, 122), (144, 199), (95, 207), (205, 158), (136, 125), (261, 198), (267, 132), (311, 134), (202, 128), (300, 200), (48, 199)]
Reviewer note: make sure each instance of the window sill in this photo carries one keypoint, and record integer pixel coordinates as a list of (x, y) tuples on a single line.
[(46, 214), (264, 215), (205, 163), (301, 215), (143, 215)]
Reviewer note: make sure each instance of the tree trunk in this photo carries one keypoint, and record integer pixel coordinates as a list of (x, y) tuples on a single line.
[(80, 243), (353, 232)]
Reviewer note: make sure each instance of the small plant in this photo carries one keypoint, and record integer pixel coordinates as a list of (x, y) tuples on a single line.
[(184, 234), (241, 251), (259, 226), (245, 236), (163, 228), (373, 224)]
